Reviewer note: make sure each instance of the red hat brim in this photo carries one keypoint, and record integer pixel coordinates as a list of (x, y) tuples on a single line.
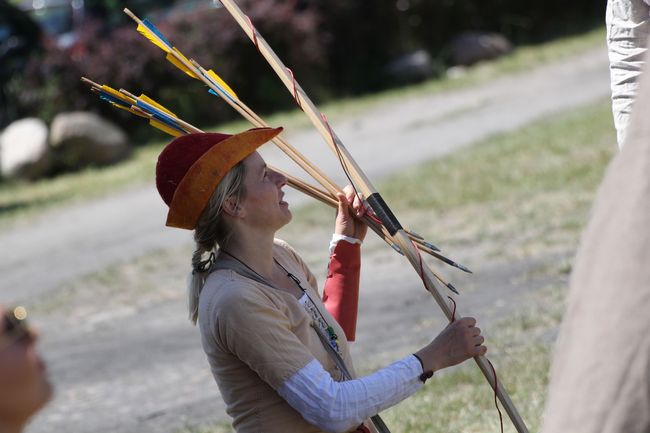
[(201, 180)]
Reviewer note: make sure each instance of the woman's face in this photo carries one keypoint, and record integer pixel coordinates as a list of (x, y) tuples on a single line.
[(263, 207), (24, 387)]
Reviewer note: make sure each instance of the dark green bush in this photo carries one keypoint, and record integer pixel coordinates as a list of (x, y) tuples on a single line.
[(335, 47), (125, 59), (363, 36)]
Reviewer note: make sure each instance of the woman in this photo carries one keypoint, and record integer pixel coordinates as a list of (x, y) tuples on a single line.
[(24, 388), (278, 355)]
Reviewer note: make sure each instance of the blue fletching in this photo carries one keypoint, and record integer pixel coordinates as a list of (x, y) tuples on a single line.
[(223, 91), (153, 28), (159, 115), (167, 122), (110, 98)]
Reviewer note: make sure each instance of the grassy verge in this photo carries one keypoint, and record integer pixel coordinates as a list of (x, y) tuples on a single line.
[(21, 200)]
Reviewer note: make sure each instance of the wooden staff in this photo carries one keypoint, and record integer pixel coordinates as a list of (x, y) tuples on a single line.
[(370, 193)]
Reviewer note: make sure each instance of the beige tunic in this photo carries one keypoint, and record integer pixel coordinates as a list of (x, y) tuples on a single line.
[(256, 338)]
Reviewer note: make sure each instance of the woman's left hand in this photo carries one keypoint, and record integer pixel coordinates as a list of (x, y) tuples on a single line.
[(348, 221)]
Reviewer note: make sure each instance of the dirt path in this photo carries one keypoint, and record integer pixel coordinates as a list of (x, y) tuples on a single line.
[(138, 367)]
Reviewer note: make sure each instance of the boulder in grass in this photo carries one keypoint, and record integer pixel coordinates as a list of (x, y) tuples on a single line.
[(82, 139), (469, 48), (24, 153), (411, 67)]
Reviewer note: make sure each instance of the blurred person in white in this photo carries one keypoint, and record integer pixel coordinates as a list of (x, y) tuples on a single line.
[(600, 377), (24, 388), (628, 27)]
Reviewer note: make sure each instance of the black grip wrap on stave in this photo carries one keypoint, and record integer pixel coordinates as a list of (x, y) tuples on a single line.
[(384, 213)]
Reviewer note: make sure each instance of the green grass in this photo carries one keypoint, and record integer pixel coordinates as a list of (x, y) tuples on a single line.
[(19, 201), (549, 156)]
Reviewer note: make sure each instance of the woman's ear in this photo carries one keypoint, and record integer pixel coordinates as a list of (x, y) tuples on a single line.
[(232, 208)]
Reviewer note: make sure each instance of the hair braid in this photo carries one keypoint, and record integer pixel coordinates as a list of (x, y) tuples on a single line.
[(211, 231)]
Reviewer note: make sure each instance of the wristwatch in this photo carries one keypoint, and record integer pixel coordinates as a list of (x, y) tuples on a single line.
[(426, 375)]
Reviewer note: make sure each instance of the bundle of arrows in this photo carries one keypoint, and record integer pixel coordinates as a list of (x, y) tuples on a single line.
[(167, 121), (379, 216)]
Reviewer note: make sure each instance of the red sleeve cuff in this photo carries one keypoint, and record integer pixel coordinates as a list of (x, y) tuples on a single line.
[(341, 292)]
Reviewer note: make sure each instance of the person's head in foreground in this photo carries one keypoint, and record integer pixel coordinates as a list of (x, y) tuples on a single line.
[(24, 388), (277, 348)]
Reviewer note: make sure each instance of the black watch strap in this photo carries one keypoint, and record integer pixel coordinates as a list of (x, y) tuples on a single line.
[(426, 374)]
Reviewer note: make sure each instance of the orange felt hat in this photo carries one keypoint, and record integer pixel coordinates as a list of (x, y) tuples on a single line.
[(191, 166)]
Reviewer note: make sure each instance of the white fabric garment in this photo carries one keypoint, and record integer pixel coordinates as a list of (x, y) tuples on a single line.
[(336, 238), (340, 406), (628, 28)]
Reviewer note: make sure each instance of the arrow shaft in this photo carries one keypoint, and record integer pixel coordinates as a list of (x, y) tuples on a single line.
[(287, 148)]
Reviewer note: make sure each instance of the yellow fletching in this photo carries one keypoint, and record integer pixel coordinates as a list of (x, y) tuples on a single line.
[(222, 84), (174, 61), (159, 125), (144, 30), (150, 101), (130, 110), (118, 95)]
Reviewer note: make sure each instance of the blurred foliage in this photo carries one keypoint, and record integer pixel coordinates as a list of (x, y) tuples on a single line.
[(335, 47), (126, 59), (362, 37)]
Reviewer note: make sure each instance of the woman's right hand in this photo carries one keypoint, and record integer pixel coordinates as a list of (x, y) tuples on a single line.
[(349, 223), (459, 341)]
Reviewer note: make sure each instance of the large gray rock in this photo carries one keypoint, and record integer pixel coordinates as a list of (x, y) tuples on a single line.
[(81, 139), (469, 48), (411, 67), (24, 153)]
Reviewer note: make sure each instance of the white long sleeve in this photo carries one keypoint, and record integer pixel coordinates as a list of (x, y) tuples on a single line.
[(340, 406), (336, 238)]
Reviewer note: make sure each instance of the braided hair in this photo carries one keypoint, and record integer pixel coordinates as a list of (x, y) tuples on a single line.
[(210, 232)]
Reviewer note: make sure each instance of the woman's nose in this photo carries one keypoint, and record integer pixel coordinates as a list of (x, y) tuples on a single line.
[(280, 179)]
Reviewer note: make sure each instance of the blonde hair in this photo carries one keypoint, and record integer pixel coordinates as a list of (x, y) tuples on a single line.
[(211, 231)]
